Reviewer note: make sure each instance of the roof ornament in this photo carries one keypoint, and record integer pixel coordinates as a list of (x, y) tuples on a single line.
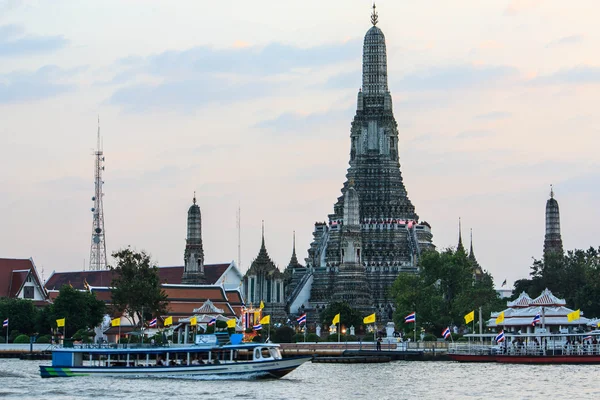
[(551, 192), (194, 197), (374, 17)]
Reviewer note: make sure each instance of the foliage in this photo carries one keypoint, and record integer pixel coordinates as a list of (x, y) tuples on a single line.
[(81, 310), (574, 276), (21, 314), (44, 320), (351, 338), (442, 293), (313, 337), (84, 335), (221, 324), (348, 315), (249, 330), (257, 339), (369, 337), (429, 338), (284, 334), (21, 339), (43, 339), (298, 338), (136, 285)]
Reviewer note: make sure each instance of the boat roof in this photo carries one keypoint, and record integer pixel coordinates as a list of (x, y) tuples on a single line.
[(161, 349)]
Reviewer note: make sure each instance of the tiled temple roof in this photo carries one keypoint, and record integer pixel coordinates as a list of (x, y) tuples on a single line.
[(522, 301)]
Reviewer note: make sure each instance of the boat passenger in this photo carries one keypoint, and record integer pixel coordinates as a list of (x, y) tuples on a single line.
[(160, 362)]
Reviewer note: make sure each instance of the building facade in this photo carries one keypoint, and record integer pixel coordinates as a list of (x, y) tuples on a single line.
[(361, 249)]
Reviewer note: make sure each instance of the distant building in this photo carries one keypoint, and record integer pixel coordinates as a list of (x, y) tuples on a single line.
[(19, 280), (477, 270), (194, 254), (553, 240)]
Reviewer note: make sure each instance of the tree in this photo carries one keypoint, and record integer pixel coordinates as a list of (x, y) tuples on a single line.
[(21, 315), (80, 309), (443, 292), (136, 286), (348, 315)]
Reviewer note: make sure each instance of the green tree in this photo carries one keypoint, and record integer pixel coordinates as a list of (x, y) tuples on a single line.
[(21, 315), (136, 285), (81, 310), (348, 315)]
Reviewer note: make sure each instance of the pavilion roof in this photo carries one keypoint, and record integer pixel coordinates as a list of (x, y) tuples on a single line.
[(547, 299), (522, 301)]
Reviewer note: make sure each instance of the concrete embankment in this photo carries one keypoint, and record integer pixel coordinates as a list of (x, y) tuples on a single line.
[(26, 351), (392, 350)]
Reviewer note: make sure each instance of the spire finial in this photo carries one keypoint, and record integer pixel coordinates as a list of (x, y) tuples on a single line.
[(374, 17), (471, 249), (194, 197), (551, 192), (263, 233), (294, 245)]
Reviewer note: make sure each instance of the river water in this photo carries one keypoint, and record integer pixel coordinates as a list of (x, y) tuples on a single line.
[(395, 380)]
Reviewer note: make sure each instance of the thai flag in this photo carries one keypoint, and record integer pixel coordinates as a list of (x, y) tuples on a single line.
[(446, 333), (152, 323), (500, 337), (5, 323), (257, 327), (212, 321), (536, 319), (410, 318), (301, 319)]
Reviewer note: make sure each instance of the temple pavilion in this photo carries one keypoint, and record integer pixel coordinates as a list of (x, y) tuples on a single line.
[(520, 314)]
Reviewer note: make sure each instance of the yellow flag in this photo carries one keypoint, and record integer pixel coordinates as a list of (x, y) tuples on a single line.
[(231, 323), (500, 318), (193, 321), (168, 321), (115, 322), (573, 316), (470, 317), (265, 320), (60, 322), (262, 305), (369, 319), (336, 319), (598, 324)]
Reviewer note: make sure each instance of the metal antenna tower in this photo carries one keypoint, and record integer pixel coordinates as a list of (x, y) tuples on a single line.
[(98, 247), (239, 228)]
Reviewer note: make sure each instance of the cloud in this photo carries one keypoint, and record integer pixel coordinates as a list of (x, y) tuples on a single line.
[(456, 77), (14, 42), (494, 115), (345, 80), (581, 74), (567, 40), (47, 81), (517, 6), (475, 134), (293, 122)]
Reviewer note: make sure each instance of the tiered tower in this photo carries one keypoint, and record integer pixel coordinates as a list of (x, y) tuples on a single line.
[(98, 246), (387, 227), (553, 240), (193, 271)]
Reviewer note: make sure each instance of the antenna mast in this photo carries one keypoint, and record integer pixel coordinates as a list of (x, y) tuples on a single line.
[(98, 246), (239, 228)]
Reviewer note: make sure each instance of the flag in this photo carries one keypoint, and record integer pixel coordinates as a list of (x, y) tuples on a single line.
[(60, 322), (231, 323), (168, 321), (152, 323), (500, 337), (500, 318), (115, 322), (301, 319), (446, 333), (262, 305), (587, 338), (336, 319), (470, 317), (212, 321), (266, 319), (575, 315), (504, 283), (193, 321), (257, 327), (536, 319), (412, 317), (5, 323), (369, 319)]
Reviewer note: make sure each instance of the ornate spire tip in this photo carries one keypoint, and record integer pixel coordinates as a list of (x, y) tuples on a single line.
[(374, 17)]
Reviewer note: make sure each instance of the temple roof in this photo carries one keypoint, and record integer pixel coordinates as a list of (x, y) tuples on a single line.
[(547, 299), (13, 273), (263, 264), (522, 301), (524, 316)]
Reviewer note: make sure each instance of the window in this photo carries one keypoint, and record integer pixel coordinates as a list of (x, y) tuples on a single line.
[(28, 292), (278, 293)]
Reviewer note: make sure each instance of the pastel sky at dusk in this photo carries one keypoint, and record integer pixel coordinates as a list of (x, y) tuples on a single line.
[(249, 104)]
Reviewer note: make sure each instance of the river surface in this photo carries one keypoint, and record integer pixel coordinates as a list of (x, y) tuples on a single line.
[(395, 380)]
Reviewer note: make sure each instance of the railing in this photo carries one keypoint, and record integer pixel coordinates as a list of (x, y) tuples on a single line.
[(530, 349)]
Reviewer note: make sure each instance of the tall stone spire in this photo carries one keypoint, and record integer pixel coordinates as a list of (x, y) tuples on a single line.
[(553, 240), (460, 246), (193, 270), (477, 270)]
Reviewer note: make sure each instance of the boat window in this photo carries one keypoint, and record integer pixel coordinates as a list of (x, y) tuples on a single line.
[(265, 353), (275, 353), (256, 354)]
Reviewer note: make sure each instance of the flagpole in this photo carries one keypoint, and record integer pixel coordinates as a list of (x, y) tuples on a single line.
[(7, 324), (339, 328)]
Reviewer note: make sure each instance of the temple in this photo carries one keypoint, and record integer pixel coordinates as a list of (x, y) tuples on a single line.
[(194, 254), (553, 240), (374, 232)]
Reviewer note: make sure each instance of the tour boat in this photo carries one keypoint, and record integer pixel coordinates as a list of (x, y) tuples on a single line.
[(246, 360), (531, 348)]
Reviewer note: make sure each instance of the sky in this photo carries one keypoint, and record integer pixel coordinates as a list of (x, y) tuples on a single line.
[(249, 104)]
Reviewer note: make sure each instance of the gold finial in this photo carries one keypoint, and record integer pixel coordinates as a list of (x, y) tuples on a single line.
[(551, 192), (374, 17), (194, 197)]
